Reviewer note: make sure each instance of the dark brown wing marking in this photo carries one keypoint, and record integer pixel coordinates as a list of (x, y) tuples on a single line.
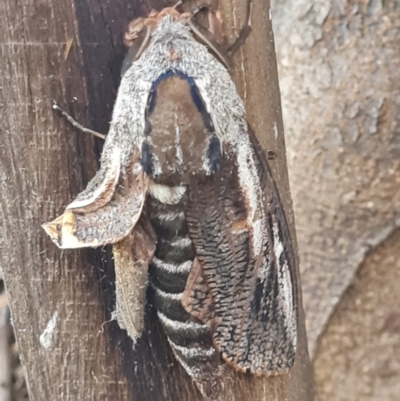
[(254, 297)]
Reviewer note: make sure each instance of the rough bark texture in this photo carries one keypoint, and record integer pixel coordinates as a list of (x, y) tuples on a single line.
[(360, 346), (339, 75), (339, 65), (62, 301)]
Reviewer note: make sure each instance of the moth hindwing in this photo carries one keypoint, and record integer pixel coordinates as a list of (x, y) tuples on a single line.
[(181, 160)]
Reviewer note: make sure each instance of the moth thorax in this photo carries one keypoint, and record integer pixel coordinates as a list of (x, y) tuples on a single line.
[(172, 53), (179, 128)]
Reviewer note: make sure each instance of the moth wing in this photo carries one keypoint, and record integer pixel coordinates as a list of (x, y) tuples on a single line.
[(101, 187), (110, 221), (196, 298), (242, 242), (132, 256)]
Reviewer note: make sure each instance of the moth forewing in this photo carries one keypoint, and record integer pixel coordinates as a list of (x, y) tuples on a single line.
[(102, 187), (254, 328), (111, 213)]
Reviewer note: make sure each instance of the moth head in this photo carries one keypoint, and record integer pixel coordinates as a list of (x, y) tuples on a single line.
[(139, 31)]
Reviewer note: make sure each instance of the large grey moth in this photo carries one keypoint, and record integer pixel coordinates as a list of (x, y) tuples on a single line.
[(187, 198)]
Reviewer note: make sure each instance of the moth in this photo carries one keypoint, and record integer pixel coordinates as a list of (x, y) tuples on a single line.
[(187, 199)]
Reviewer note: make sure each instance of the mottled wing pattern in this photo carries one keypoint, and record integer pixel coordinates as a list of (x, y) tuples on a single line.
[(197, 298), (253, 296)]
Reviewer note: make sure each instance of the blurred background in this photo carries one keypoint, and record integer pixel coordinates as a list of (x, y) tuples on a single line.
[(339, 68), (339, 72)]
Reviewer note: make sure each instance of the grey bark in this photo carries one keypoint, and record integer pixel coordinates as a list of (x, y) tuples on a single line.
[(339, 76), (360, 345)]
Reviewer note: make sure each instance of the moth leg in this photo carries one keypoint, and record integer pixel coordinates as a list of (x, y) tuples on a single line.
[(244, 32), (75, 123), (201, 7), (178, 4), (213, 36), (214, 22)]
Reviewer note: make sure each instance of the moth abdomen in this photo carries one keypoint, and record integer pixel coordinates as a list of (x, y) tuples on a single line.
[(165, 280), (185, 333), (173, 257), (190, 339)]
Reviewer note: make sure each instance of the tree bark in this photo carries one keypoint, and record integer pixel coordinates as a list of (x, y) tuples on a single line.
[(339, 74), (71, 51), (339, 79)]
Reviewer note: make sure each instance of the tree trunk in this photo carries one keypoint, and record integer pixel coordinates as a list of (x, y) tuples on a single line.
[(339, 65), (61, 302)]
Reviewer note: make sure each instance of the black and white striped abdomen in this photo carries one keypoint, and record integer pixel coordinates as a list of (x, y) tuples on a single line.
[(190, 340), (169, 271)]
